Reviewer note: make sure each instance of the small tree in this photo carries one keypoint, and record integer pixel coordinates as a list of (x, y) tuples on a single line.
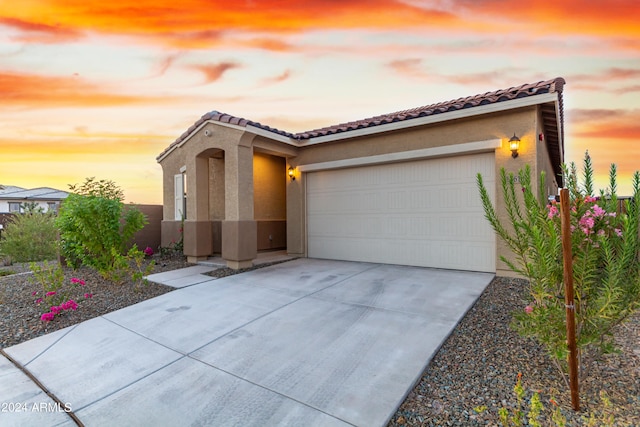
[(30, 236), (96, 228), (605, 245)]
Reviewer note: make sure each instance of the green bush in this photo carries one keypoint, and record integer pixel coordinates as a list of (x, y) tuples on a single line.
[(605, 247), (96, 228), (30, 236)]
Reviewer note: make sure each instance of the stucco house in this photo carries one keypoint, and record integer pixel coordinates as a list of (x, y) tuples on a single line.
[(398, 188), (13, 198)]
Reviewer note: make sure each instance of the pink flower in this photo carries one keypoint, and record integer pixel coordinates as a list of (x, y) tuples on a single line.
[(69, 305), (148, 251), (589, 199), (47, 317), (56, 309), (39, 300), (528, 309), (586, 223), (618, 232), (524, 189), (553, 211), (34, 293), (601, 233), (598, 211), (78, 281), (50, 293), (87, 296)]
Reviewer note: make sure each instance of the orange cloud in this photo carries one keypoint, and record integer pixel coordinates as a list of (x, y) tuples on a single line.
[(33, 32), (271, 44), (203, 23), (214, 72), (617, 80), (410, 67), (413, 68), (277, 79), (605, 123), (199, 23), (614, 18), (164, 65), (35, 90)]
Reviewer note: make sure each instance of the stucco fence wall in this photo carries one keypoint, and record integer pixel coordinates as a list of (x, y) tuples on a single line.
[(148, 236)]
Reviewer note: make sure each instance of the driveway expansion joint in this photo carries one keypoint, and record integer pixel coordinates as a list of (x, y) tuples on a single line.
[(42, 387), (270, 390), (311, 294)]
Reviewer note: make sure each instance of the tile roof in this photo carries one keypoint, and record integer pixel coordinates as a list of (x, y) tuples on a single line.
[(523, 91)]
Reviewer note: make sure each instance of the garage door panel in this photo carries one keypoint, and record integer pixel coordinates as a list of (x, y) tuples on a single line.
[(425, 213)]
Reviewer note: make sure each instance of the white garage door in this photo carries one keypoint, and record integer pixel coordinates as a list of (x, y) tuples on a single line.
[(425, 213)]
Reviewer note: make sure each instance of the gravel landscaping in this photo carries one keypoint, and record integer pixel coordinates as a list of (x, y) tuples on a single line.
[(20, 315), (476, 367), (479, 363)]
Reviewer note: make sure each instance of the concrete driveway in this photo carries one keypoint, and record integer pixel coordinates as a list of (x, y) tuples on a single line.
[(304, 343)]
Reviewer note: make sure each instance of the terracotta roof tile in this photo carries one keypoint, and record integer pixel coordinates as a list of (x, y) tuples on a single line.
[(525, 90)]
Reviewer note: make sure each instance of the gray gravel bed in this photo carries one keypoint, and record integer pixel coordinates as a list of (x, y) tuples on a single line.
[(479, 363), (20, 314)]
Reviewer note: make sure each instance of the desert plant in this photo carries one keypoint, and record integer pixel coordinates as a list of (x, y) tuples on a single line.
[(96, 228), (536, 412), (30, 236), (605, 246), (54, 296)]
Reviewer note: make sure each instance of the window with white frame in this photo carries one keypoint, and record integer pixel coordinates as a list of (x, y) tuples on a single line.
[(15, 207), (180, 196)]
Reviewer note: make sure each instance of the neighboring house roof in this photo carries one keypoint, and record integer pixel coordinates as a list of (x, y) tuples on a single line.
[(553, 120), (35, 194), (9, 188)]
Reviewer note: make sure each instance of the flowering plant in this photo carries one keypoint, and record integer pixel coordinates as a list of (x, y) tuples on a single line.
[(54, 295), (605, 248), (148, 251)]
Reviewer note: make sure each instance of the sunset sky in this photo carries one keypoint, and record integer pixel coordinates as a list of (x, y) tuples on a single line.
[(100, 88)]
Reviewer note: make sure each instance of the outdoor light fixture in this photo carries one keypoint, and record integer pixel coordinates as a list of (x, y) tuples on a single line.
[(514, 144), (292, 173)]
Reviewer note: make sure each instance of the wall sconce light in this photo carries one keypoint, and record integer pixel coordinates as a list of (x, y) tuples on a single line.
[(514, 144), (292, 173)]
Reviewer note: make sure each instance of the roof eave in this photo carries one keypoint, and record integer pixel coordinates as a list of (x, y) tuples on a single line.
[(436, 118), (378, 129)]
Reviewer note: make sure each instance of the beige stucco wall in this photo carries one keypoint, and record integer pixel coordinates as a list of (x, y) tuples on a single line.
[(269, 200), (269, 187)]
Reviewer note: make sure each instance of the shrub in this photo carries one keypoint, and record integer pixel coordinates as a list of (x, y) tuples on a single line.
[(530, 411), (605, 246), (96, 228), (54, 297), (30, 236)]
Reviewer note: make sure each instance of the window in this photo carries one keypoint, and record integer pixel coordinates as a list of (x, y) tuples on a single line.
[(14, 207), (53, 206), (180, 197)]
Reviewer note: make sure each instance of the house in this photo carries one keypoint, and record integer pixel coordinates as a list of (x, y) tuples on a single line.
[(14, 199), (398, 188)]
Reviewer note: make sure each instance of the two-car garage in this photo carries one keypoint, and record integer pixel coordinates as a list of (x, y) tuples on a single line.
[(421, 212)]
